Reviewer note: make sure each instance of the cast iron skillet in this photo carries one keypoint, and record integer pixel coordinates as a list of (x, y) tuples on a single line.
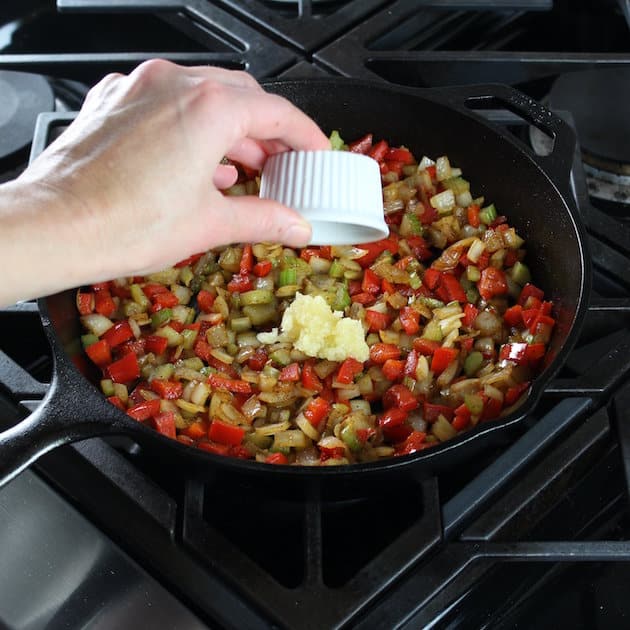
[(533, 191)]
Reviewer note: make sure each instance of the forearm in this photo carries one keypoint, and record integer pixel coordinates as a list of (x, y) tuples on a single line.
[(42, 249)]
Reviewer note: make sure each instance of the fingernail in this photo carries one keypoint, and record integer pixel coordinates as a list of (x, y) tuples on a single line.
[(299, 234)]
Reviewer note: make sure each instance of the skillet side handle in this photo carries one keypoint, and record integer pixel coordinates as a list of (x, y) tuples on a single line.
[(558, 163), (43, 430)]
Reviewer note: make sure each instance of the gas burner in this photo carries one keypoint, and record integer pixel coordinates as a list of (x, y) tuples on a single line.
[(597, 99), (22, 97)]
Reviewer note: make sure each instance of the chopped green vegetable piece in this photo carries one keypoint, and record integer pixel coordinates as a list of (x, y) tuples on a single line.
[(161, 317), (336, 141), (457, 184), (430, 302), (336, 269), (88, 340), (240, 324), (472, 295), (258, 296), (164, 371), (281, 357), (414, 281), (433, 331), (107, 387), (472, 273), (342, 298), (138, 296), (349, 436), (472, 363), (410, 225), (474, 402), (488, 214), (520, 273), (287, 277)]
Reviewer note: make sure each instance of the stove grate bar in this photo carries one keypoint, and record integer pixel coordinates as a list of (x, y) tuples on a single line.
[(18, 381)]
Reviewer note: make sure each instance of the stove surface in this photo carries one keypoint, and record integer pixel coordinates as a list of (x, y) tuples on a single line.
[(535, 534)]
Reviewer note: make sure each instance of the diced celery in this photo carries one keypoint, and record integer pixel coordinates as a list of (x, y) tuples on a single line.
[(349, 436), (107, 387), (88, 340), (164, 372), (170, 334), (281, 357), (186, 275), (190, 336), (138, 296), (430, 302), (488, 214), (414, 281), (520, 273), (457, 184), (257, 296), (240, 324), (472, 273), (433, 331), (336, 269), (161, 317), (287, 276), (472, 295), (336, 141), (261, 313), (342, 298), (410, 225), (443, 429), (472, 363), (474, 402)]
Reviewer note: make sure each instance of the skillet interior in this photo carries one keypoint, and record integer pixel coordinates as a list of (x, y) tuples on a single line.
[(496, 167)]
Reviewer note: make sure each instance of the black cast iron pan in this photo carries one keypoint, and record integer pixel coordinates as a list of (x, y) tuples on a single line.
[(533, 191)]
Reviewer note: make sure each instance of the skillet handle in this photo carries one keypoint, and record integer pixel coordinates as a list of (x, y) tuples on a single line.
[(55, 422), (557, 165)]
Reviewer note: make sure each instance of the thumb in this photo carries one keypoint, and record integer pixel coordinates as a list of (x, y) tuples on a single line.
[(251, 219)]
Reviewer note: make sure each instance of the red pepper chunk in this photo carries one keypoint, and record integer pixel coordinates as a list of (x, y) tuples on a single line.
[(426, 347), (117, 402), (371, 283), (392, 418), (317, 410), (125, 369), (431, 411), (104, 303), (450, 290), (375, 249), (442, 358), (431, 279), (100, 353), (85, 303), (145, 409), (393, 369), (224, 433), (205, 300), (380, 352), (165, 424), (414, 442), (229, 384), (290, 373), (492, 283), (400, 155), (379, 150), (376, 320), (276, 458), (214, 447), (400, 397), (247, 260), (167, 299), (470, 315), (409, 320), (169, 390), (191, 260), (472, 213), (310, 380), (118, 333), (258, 360), (240, 283), (515, 392), (529, 290), (348, 370), (262, 268), (513, 316), (363, 145), (156, 344)]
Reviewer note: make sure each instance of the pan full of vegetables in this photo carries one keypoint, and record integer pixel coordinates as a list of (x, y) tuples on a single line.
[(407, 354)]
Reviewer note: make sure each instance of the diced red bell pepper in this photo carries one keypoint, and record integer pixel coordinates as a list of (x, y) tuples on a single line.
[(492, 283), (165, 424), (419, 247), (515, 352), (515, 392), (104, 303), (409, 320), (262, 268), (511, 257), (529, 290), (166, 299), (535, 352), (380, 352), (214, 447), (191, 260), (151, 289), (224, 433), (101, 286), (379, 150), (400, 397), (392, 166), (400, 155), (431, 411), (472, 212), (393, 369), (184, 439), (414, 442), (411, 363), (450, 290), (317, 410), (371, 283), (169, 390), (85, 303), (387, 287), (425, 347), (393, 417), (100, 353), (258, 360), (513, 316), (145, 409), (308, 252), (462, 418), (363, 298), (310, 380), (431, 278), (376, 248), (470, 315), (442, 358), (348, 370), (336, 452), (229, 384), (491, 408), (428, 215), (247, 260), (205, 300), (376, 320), (240, 283), (124, 370), (155, 344), (276, 458), (196, 430), (362, 145), (290, 373), (118, 333)]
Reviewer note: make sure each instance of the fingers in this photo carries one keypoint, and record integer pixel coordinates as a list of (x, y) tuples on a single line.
[(225, 175), (249, 219)]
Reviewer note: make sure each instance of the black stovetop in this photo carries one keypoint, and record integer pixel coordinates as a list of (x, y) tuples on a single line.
[(533, 535)]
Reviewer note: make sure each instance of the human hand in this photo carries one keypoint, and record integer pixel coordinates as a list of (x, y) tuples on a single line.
[(138, 171)]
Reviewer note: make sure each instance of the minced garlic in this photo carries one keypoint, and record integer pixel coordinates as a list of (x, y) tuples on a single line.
[(318, 331)]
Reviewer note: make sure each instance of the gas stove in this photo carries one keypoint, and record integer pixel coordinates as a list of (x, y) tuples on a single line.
[(535, 534)]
